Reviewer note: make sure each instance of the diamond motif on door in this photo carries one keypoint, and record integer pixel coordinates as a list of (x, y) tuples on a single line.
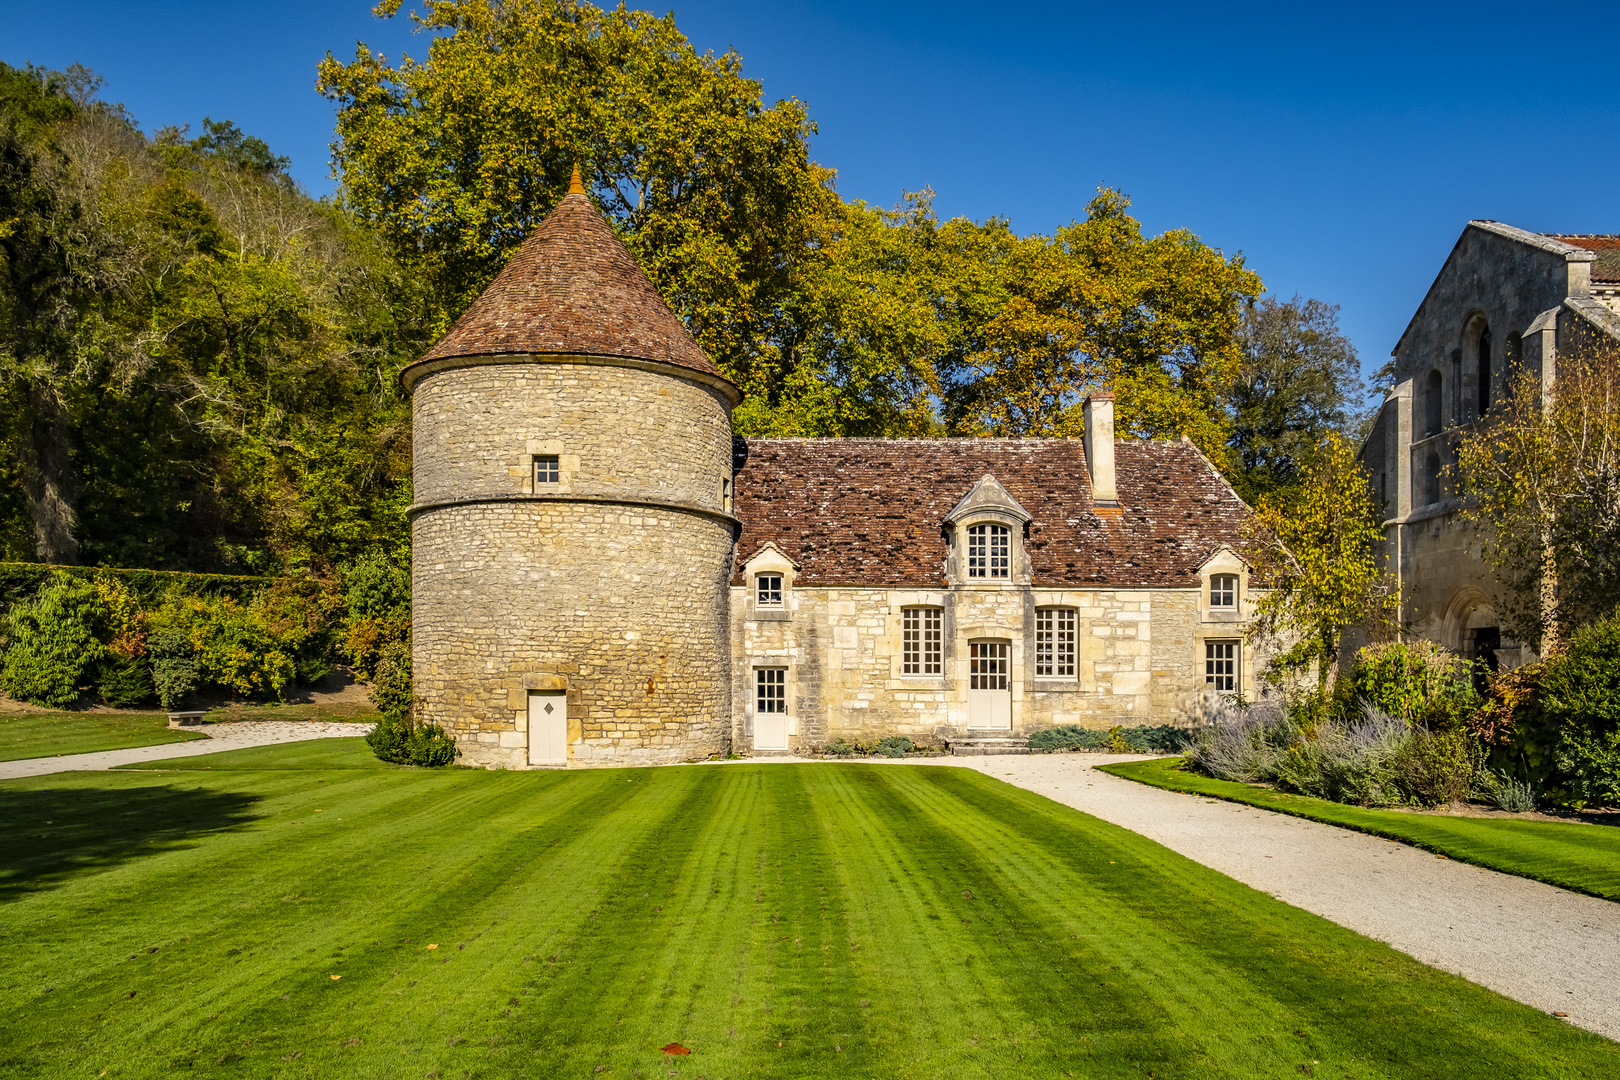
[(550, 708)]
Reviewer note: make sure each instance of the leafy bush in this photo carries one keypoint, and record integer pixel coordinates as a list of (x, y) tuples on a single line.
[(1515, 797), (1435, 769), (52, 642), (397, 739), (1244, 746), (894, 746), (174, 665), (378, 597), (1140, 739), (1348, 763), (1556, 725), (391, 681), (840, 748), (125, 681), (1068, 737)]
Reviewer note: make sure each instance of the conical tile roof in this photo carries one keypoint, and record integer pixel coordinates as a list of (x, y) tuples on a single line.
[(573, 288)]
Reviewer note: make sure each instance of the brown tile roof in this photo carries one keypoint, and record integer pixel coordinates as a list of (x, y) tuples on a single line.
[(869, 511), (573, 288), (1607, 266)]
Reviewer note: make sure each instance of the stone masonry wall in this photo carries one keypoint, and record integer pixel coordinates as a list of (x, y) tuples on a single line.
[(1139, 661), (624, 607), (619, 432)]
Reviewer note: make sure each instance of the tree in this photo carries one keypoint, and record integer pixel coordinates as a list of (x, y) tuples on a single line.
[(1540, 478), (1295, 383), (1099, 304), (1314, 553), (458, 157), (59, 255)]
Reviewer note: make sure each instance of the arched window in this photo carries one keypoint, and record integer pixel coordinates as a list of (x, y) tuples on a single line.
[(1432, 403), (1484, 370), (1431, 479)]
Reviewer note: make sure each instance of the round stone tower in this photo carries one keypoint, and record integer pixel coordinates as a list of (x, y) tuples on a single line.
[(572, 531)]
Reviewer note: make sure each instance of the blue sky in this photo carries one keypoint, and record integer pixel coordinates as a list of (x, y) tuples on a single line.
[(1340, 148)]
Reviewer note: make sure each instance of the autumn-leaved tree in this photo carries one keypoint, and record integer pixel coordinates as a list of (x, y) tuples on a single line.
[(1097, 303), (1313, 552), (458, 155), (1540, 476)]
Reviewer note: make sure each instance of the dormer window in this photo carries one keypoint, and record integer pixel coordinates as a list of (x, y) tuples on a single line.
[(768, 590), (989, 551), (1223, 591), (545, 469)]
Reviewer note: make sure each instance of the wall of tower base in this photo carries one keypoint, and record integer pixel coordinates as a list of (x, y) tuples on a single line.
[(623, 608)]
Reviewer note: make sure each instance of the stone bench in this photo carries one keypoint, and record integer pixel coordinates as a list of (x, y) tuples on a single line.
[(186, 719)]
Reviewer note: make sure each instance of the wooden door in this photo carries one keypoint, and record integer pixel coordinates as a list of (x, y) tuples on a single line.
[(548, 727), (989, 688)]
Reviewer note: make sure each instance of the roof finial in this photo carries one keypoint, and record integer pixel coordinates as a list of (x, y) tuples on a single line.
[(574, 185)]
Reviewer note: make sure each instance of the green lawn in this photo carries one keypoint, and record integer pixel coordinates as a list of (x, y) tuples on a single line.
[(1571, 855), (50, 734), (272, 918)]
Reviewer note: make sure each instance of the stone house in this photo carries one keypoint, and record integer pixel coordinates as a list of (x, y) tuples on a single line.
[(1504, 300), (602, 574)]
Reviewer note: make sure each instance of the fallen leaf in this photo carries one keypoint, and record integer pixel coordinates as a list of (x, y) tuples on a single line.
[(1560, 1014), (433, 946), (676, 1048), (335, 978)]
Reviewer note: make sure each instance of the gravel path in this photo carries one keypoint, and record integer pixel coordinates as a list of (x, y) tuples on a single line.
[(1548, 948), (221, 737)]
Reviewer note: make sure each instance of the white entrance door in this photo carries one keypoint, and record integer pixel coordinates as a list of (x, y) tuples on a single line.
[(770, 709), (989, 692), (548, 727)]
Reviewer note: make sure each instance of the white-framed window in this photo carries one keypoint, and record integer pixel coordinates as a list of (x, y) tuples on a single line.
[(1223, 590), (988, 663), (989, 551), (922, 636), (1054, 642), (768, 590), (770, 690), (1221, 665)]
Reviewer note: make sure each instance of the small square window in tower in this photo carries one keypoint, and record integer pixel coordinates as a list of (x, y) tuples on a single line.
[(545, 469), (989, 551), (1054, 642), (768, 590), (1221, 665), (922, 639), (1223, 591)]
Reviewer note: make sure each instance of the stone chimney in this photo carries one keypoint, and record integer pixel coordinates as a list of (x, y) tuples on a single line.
[(1099, 441)]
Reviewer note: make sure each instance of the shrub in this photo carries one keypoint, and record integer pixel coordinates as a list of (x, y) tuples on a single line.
[(125, 681), (52, 642), (174, 665), (840, 748), (1556, 725), (378, 597), (1244, 747), (391, 681), (894, 746), (1437, 769), (397, 739), (1515, 797), (1349, 763), (1068, 737)]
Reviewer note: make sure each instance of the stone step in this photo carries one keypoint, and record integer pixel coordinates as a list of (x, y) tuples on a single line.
[(971, 747)]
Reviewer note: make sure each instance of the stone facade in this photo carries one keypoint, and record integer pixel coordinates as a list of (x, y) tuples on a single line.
[(1506, 300), (602, 575)]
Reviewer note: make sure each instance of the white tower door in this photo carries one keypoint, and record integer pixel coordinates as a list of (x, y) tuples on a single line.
[(548, 728), (989, 689)]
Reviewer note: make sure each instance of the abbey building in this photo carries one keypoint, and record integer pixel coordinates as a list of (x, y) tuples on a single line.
[(1506, 300), (602, 574)]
